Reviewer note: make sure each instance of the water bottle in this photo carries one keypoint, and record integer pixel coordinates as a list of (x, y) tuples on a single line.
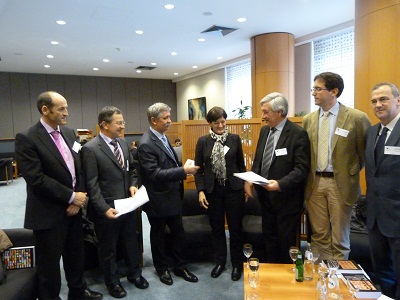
[(333, 286), (308, 250), (309, 267), (299, 268)]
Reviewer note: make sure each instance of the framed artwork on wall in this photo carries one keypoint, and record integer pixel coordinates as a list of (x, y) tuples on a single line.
[(197, 108)]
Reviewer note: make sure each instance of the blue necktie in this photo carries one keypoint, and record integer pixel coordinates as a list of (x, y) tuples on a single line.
[(166, 145), (380, 145)]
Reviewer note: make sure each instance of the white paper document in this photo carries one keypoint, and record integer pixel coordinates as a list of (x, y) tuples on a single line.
[(252, 177), (124, 206)]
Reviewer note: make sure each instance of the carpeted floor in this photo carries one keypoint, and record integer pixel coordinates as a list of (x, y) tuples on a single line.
[(12, 203)]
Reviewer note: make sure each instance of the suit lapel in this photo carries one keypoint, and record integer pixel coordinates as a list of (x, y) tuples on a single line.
[(160, 145), (340, 121), (393, 140), (314, 122)]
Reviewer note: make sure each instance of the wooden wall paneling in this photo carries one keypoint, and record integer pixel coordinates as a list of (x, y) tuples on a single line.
[(74, 98), (21, 108), (90, 109), (37, 85), (157, 91), (118, 94), (103, 92), (146, 100), (133, 112), (6, 128)]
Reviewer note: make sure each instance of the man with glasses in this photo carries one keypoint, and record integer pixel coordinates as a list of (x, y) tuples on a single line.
[(382, 169), (337, 136), (110, 175)]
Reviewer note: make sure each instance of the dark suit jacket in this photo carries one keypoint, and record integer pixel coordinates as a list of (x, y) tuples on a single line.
[(383, 188), (105, 178), (49, 182), (161, 176), (205, 177), (289, 170)]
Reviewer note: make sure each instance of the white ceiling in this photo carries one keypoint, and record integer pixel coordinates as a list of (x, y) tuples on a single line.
[(98, 29)]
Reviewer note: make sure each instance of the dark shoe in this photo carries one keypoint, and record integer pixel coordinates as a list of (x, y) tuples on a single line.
[(140, 282), (88, 295), (236, 274), (218, 269), (166, 278), (116, 291), (185, 274)]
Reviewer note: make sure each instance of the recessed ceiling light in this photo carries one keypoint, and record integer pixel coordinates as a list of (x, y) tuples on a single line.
[(139, 31), (169, 6), (95, 69), (54, 42), (106, 60), (176, 73), (50, 56), (194, 67), (219, 57), (241, 20), (174, 53), (61, 22), (153, 64), (138, 71), (201, 40), (47, 66)]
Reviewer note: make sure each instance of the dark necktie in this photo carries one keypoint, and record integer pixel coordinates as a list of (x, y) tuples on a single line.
[(117, 153), (380, 145), (268, 151)]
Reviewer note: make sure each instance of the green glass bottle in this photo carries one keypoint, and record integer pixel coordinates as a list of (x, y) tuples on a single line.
[(299, 268)]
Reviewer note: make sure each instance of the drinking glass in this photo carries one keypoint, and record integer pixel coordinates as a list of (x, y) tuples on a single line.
[(247, 251), (254, 279), (294, 252), (353, 284), (254, 264), (315, 253)]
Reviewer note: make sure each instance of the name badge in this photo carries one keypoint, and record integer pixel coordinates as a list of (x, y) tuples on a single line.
[(342, 132), (226, 149), (76, 147), (392, 150), (280, 152)]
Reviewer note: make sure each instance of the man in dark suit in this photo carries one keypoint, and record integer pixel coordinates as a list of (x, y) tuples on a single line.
[(283, 157), (110, 175), (48, 159), (382, 156), (162, 175)]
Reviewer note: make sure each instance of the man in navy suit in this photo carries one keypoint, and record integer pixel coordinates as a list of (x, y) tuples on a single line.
[(48, 158), (383, 189), (162, 175), (286, 170), (110, 175)]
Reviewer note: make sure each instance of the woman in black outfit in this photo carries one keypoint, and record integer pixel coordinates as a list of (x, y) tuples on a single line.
[(219, 155)]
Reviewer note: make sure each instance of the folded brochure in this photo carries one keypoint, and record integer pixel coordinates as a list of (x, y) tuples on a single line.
[(252, 177)]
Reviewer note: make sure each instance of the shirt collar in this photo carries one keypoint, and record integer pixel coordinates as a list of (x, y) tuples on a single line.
[(159, 135), (391, 124), (48, 128), (334, 110)]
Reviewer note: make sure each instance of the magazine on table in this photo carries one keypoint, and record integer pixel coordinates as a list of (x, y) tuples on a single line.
[(367, 289), (19, 257)]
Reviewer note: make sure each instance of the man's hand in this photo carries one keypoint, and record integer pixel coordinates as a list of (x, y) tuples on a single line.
[(133, 190), (111, 212), (80, 199), (202, 200), (72, 210), (272, 185), (248, 190), (190, 168)]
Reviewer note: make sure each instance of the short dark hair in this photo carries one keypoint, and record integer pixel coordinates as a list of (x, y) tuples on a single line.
[(393, 87), (107, 113), (45, 99), (215, 113), (332, 81)]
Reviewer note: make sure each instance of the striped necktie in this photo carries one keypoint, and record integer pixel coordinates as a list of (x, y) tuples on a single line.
[(117, 153), (268, 151)]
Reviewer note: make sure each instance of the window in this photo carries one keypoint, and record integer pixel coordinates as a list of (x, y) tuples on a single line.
[(336, 54), (238, 88)]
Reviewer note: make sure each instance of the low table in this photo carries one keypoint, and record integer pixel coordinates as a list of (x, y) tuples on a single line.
[(278, 282)]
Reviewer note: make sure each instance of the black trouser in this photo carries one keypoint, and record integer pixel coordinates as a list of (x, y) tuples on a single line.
[(224, 201)]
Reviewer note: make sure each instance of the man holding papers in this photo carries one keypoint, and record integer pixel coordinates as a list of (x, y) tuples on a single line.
[(110, 175), (283, 157)]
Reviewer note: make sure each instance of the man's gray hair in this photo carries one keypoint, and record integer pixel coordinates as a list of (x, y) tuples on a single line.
[(277, 102), (156, 110)]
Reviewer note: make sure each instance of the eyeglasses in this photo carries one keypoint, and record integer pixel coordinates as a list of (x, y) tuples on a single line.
[(120, 123), (318, 89)]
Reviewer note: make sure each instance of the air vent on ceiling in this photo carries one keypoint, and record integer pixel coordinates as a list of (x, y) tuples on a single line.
[(219, 30), (145, 68)]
